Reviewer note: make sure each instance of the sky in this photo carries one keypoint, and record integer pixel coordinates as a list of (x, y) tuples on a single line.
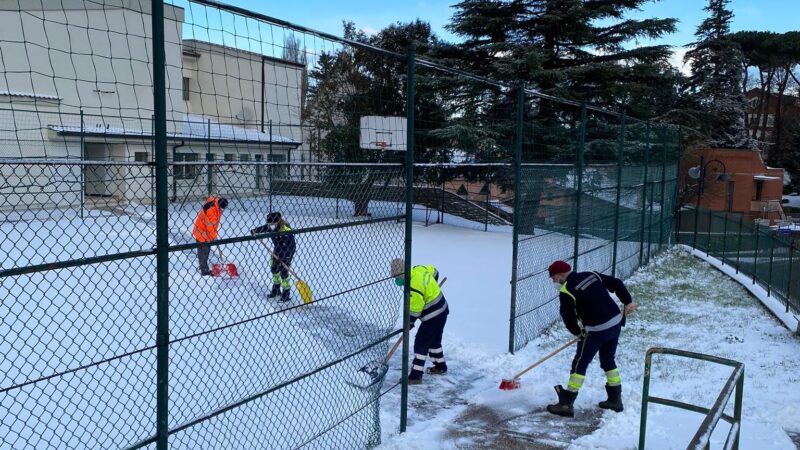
[(371, 16)]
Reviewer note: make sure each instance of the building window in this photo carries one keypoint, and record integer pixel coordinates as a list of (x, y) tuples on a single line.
[(230, 156), (186, 81), (244, 157), (141, 157), (186, 172)]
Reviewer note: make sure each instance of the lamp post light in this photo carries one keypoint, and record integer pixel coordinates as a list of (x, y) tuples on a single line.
[(699, 173)]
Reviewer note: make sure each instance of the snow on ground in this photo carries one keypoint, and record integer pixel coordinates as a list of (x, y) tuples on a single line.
[(685, 304), (59, 319)]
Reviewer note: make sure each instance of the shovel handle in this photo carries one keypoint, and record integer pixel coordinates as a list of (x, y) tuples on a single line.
[(400, 338), (219, 252), (294, 274), (553, 353)]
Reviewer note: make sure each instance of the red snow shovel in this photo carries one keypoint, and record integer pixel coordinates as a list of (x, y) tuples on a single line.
[(230, 268), (510, 385)]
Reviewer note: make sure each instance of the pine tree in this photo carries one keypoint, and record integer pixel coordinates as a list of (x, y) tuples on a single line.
[(716, 80), (570, 48)]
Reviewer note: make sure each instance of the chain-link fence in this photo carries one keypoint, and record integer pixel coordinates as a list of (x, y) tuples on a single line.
[(131, 320), (597, 190), (766, 255)]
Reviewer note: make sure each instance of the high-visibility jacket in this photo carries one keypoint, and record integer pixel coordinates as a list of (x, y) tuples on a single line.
[(427, 300), (206, 224)]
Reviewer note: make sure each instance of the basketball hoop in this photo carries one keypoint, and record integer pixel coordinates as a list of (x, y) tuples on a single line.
[(381, 144)]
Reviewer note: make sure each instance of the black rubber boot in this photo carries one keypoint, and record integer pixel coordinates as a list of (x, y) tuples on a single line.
[(276, 291), (285, 296), (565, 400), (438, 369), (614, 401)]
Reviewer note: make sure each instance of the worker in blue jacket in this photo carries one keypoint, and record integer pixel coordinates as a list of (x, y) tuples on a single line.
[(282, 254), (588, 311)]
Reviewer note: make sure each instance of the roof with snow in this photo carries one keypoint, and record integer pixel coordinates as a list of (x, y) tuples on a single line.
[(192, 128), (32, 95)]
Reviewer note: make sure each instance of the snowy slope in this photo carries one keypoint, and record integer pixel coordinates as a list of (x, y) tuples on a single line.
[(685, 304)]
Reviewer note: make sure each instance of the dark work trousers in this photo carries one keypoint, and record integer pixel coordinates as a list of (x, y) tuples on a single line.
[(279, 266), (202, 255), (604, 342), (429, 338)]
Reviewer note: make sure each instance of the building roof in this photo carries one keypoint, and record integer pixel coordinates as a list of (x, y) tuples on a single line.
[(192, 128), (32, 95)]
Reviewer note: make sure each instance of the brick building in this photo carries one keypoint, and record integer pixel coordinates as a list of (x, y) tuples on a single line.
[(734, 181)]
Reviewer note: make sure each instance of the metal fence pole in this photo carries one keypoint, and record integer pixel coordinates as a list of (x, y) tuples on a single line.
[(581, 143), (620, 157), (663, 190), (269, 167), (517, 212), (409, 213), (697, 204), (650, 223), (724, 237), (771, 256), (789, 278), (755, 256), (162, 237), (708, 231), (210, 168), (83, 168), (739, 243), (644, 191)]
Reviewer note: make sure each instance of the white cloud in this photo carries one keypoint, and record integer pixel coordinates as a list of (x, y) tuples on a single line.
[(677, 60), (369, 31)]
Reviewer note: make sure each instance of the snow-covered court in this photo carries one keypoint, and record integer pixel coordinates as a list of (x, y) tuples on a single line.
[(685, 304), (230, 343)]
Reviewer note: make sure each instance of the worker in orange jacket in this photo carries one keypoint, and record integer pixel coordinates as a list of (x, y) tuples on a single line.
[(206, 226)]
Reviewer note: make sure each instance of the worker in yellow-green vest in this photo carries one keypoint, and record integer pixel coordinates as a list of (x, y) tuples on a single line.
[(429, 306), (588, 311)]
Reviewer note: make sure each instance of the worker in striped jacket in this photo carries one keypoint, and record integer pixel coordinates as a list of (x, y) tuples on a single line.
[(588, 311), (429, 306)]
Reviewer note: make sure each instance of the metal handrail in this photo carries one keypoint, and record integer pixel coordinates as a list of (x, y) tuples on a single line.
[(714, 414)]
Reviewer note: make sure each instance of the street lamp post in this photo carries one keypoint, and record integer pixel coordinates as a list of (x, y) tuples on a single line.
[(699, 173)]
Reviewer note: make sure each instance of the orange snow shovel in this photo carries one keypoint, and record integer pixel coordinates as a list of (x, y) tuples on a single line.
[(230, 268), (510, 385)]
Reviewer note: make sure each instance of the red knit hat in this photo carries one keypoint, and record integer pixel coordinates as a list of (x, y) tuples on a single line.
[(558, 267)]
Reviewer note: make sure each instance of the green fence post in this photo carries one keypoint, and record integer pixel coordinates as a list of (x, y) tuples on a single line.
[(209, 158), (724, 237), (737, 407), (789, 278), (620, 157), (517, 212), (708, 231), (697, 203), (83, 168), (409, 212), (581, 143), (771, 255), (644, 191), (663, 190), (755, 256), (162, 237), (739, 243), (270, 167), (645, 397), (650, 223)]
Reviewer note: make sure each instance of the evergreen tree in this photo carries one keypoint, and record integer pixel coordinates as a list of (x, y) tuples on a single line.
[(569, 48), (716, 80)]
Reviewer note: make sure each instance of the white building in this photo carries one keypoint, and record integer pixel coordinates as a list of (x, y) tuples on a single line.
[(77, 83)]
